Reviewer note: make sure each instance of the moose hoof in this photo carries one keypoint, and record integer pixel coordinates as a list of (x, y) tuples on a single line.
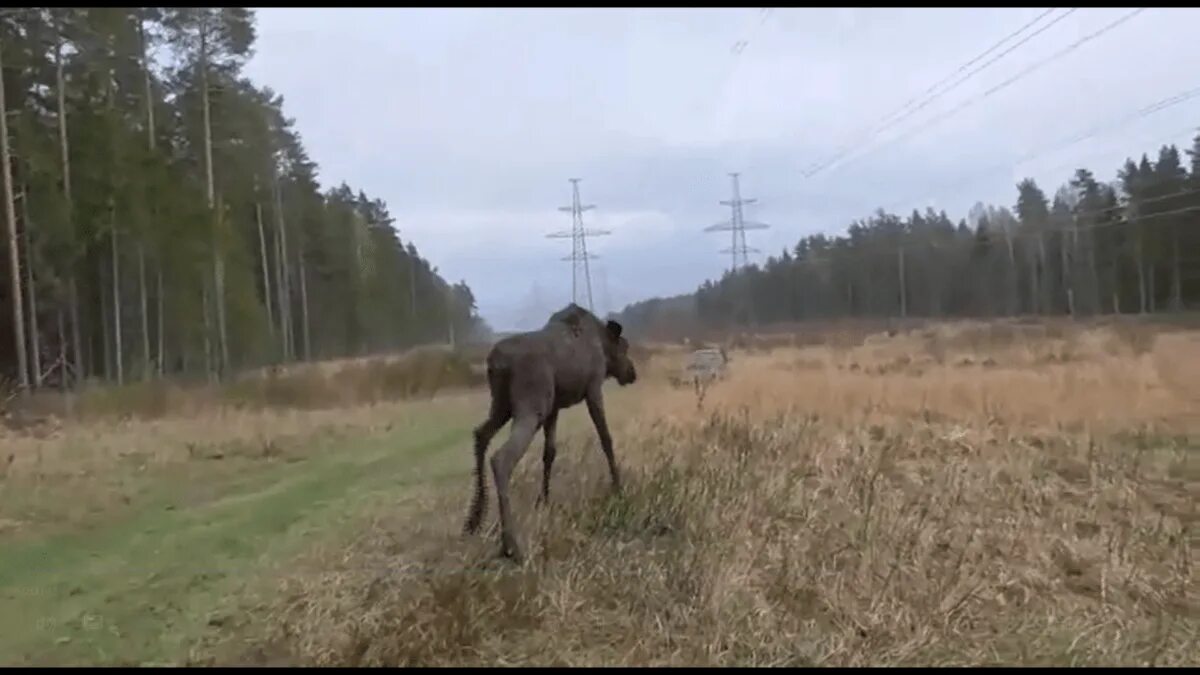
[(512, 552)]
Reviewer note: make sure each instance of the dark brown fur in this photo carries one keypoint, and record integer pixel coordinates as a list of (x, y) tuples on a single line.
[(531, 377)]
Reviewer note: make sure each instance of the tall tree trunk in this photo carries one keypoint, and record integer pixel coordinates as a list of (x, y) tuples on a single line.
[(118, 347), (10, 217), (1114, 278), (283, 274), (1152, 292), (1034, 286), (105, 321), (208, 356), (210, 193), (1139, 257), (1067, 275), (1093, 272), (282, 302), (934, 276), (304, 306), (1176, 271), (1014, 297), (903, 288), (150, 142), (1044, 277), (266, 268), (72, 286), (146, 369), (219, 291), (149, 90), (76, 333), (90, 356), (162, 354), (63, 365), (35, 343)]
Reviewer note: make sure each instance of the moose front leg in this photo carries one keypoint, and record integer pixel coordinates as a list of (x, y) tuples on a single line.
[(595, 406), (548, 453)]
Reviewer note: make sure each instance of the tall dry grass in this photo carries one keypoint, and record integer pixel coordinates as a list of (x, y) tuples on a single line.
[(416, 374), (962, 495)]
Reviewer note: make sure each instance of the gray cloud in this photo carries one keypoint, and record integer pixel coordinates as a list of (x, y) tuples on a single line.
[(469, 122)]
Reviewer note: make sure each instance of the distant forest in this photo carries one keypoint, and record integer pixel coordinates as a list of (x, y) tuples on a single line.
[(1130, 246), (162, 217)]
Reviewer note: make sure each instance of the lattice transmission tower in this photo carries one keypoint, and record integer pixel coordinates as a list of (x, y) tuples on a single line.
[(579, 254), (737, 226)]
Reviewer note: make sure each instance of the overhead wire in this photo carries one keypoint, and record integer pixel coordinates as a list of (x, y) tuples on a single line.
[(1141, 113), (888, 122), (987, 51), (994, 89)]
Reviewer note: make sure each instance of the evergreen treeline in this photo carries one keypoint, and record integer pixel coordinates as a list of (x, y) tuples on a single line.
[(1132, 246), (162, 216)]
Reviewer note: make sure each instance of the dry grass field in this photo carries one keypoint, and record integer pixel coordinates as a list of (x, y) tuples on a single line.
[(961, 494)]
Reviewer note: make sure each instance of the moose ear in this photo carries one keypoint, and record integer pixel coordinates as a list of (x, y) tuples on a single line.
[(614, 330)]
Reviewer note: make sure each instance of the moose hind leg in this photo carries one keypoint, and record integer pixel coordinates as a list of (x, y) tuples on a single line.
[(483, 436), (595, 406), (548, 453), (503, 462)]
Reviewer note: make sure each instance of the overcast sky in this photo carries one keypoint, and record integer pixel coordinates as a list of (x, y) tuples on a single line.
[(468, 123)]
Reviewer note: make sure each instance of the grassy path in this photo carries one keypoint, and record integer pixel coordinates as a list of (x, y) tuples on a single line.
[(145, 588)]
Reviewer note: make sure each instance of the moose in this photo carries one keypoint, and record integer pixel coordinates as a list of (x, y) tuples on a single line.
[(531, 376)]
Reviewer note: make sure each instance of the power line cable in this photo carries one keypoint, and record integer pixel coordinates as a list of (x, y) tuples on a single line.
[(1141, 113), (999, 87), (888, 121)]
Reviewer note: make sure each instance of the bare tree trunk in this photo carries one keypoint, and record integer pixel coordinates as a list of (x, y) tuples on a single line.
[(1152, 291), (116, 295), (35, 343), (266, 268), (1046, 295), (76, 333), (1176, 271), (1067, 276), (1139, 256), (1034, 286), (282, 302), (1014, 300), (105, 323), (219, 290), (1093, 273), (14, 262), (162, 354), (903, 288), (304, 307), (934, 278), (283, 275), (1114, 280), (149, 91), (208, 357), (118, 346), (150, 142), (213, 208), (63, 366), (72, 287), (146, 370)]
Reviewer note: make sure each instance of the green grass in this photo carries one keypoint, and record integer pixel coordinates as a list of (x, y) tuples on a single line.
[(145, 588)]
